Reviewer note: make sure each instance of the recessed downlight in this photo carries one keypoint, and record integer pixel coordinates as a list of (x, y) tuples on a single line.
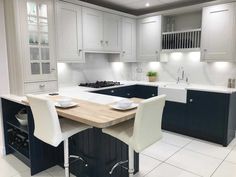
[(147, 4)]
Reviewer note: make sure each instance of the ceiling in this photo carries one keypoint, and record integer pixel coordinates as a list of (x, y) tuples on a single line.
[(137, 7)]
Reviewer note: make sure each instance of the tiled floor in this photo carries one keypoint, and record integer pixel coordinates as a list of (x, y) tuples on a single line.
[(174, 156)]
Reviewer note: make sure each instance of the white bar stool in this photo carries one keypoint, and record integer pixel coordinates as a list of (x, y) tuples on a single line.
[(52, 130), (142, 132)]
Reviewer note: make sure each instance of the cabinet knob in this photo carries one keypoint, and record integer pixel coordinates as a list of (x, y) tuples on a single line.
[(79, 51), (107, 42), (112, 91), (156, 52), (190, 100), (128, 94), (205, 50), (41, 86), (153, 95), (101, 42)]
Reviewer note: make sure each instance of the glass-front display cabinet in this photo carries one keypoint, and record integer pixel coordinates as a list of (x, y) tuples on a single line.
[(30, 26), (40, 42)]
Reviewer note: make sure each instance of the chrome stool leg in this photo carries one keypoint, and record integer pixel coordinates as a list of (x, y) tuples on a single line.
[(131, 162), (66, 158)]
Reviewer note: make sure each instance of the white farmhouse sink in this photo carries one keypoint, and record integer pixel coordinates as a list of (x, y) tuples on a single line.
[(174, 92)]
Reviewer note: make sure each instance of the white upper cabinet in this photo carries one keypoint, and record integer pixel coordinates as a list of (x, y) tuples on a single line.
[(93, 30), (38, 40), (112, 32), (69, 32), (128, 53), (101, 31), (218, 33), (149, 39)]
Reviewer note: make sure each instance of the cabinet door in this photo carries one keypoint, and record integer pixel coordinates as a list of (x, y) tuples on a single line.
[(69, 27), (207, 115), (92, 30), (218, 33), (149, 39), (128, 53), (38, 38), (145, 92), (174, 117), (112, 32)]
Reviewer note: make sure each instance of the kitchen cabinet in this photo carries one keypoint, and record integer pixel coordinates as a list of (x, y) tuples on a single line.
[(174, 118), (138, 91), (69, 32), (218, 33), (112, 32), (128, 53), (149, 38), (31, 45), (101, 31), (207, 116), (92, 29), (144, 92)]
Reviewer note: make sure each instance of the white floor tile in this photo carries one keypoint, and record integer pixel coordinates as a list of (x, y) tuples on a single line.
[(232, 144), (27, 174), (57, 171), (194, 162), (226, 170), (161, 151), (232, 156), (146, 164), (166, 170), (175, 139), (10, 165), (210, 149)]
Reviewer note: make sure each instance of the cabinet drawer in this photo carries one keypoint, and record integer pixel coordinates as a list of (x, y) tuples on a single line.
[(39, 87)]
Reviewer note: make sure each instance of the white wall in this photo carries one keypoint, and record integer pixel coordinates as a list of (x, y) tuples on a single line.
[(198, 72), (4, 78), (98, 67)]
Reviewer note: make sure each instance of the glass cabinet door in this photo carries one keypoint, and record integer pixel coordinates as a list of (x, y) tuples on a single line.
[(38, 38)]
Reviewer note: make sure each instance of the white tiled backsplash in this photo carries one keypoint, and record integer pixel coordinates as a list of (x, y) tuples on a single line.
[(98, 67)]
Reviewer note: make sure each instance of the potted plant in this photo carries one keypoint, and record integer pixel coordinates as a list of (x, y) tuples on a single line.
[(152, 76)]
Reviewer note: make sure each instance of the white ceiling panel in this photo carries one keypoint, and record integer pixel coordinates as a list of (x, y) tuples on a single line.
[(138, 7)]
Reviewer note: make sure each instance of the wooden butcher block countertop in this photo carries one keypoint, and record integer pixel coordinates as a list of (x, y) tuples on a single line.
[(94, 114)]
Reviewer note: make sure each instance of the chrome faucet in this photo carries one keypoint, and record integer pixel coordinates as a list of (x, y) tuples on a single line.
[(183, 75)]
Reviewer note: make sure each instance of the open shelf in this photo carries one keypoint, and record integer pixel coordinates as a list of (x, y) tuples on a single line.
[(16, 124), (23, 151)]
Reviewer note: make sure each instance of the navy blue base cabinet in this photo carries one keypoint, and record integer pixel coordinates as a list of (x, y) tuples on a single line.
[(206, 115), (174, 117), (99, 150), (211, 116), (138, 91)]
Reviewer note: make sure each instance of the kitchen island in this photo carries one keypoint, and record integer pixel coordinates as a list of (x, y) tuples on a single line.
[(99, 150)]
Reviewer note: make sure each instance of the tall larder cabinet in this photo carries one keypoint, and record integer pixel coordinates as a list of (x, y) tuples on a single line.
[(31, 46)]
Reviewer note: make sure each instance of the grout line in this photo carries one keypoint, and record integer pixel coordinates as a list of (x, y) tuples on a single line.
[(153, 169), (152, 157), (224, 160), (183, 169), (206, 154), (163, 162)]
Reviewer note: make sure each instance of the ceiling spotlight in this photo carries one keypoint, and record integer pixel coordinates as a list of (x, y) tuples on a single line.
[(147, 4)]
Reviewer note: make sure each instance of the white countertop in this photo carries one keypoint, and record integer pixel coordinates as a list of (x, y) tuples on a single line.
[(84, 94)]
